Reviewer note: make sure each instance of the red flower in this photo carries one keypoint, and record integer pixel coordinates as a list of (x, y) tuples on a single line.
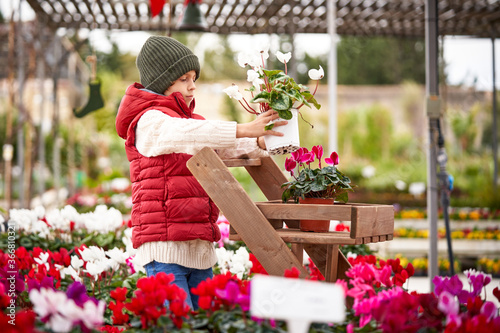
[(256, 266), (111, 329), (292, 273), (118, 317), (496, 293), (119, 294)]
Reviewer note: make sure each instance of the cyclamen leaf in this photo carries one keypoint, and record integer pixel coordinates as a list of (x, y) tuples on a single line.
[(269, 127)]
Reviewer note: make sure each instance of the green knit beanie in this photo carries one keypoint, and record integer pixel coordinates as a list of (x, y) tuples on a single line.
[(162, 60)]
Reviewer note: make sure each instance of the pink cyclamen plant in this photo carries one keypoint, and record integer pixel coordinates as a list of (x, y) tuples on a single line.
[(321, 182)]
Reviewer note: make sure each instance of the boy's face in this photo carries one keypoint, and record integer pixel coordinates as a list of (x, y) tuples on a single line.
[(185, 85)]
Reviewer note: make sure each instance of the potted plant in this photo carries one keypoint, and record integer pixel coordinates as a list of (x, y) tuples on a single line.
[(321, 185), (275, 89)]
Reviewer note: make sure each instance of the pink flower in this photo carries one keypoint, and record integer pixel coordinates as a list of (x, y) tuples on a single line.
[(224, 227), (318, 152), (297, 155), (448, 304), (489, 310), (333, 159), (290, 164)]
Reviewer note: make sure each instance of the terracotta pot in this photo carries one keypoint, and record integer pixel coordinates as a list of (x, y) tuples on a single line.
[(315, 225)]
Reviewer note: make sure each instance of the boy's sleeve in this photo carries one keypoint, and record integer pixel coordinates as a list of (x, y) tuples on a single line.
[(158, 134), (245, 148)]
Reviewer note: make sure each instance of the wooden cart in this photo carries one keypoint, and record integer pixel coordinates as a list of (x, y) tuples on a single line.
[(255, 222)]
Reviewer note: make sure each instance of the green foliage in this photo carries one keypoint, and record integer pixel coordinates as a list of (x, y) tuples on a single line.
[(391, 60), (326, 182), (281, 92)]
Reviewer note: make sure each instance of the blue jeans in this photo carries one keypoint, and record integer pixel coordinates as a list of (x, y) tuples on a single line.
[(185, 277)]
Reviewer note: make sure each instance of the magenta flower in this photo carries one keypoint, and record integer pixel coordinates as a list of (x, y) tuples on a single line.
[(290, 164), (448, 304), (478, 280), (318, 152), (233, 295), (297, 155), (489, 309), (333, 159), (307, 158)]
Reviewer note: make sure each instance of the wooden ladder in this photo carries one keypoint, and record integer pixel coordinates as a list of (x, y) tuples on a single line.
[(253, 221)]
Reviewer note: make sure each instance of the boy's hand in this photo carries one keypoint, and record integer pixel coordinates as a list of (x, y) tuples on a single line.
[(257, 127)]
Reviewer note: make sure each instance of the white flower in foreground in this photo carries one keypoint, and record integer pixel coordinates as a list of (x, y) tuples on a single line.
[(42, 259), (46, 301), (58, 323), (247, 59), (284, 57), (93, 314), (264, 51), (253, 76), (233, 92), (316, 74)]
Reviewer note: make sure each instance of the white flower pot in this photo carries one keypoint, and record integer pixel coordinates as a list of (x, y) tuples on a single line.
[(289, 142)]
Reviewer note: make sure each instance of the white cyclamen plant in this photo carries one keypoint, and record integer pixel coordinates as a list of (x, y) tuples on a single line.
[(273, 89)]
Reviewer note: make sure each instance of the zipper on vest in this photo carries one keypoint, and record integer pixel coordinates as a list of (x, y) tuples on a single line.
[(180, 106)]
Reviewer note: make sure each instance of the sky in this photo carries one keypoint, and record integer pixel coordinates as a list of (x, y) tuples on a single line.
[(469, 60)]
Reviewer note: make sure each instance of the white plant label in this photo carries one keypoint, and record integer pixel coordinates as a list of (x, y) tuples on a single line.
[(298, 302)]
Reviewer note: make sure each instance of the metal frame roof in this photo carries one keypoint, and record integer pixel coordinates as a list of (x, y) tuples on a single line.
[(401, 18)]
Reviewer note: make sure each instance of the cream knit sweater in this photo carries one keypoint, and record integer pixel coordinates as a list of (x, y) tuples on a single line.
[(158, 134)]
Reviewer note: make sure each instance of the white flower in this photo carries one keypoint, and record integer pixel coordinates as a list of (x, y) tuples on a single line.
[(368, 171), (93, 253), (264, 51), (41, 229), (136, 263), (284, 57), (58, 323), (417, 188), (76, 262), (253, 76), (120, 184), (233, 92), (71, 311), (117, 256), (316, 74), (96, 268), (42, 259), (400, 185), (250, 59), (46, 301), (103, 220), (71, 271), (93, 314)]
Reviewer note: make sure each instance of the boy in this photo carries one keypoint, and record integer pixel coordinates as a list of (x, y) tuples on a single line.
[(173, 219)]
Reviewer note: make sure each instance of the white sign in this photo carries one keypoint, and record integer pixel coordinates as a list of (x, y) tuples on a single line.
[(297, 301)]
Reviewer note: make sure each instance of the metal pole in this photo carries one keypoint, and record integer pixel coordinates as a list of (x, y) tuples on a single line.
[(494, 131), (20, 131), (332, 76), (433, 112)]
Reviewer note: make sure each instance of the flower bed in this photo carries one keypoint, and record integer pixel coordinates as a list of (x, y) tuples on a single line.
[(80, 287)]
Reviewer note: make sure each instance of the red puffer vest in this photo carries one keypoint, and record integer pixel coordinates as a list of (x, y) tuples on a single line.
[(168, 202)]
